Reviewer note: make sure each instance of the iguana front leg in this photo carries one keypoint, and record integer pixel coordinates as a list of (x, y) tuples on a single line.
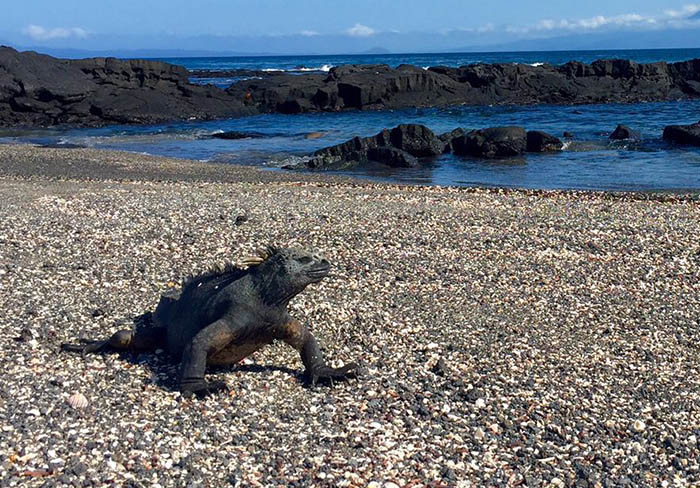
[(300, 338), (207, 341)]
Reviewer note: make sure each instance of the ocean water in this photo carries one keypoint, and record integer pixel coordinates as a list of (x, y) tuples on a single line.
[(590, 160)]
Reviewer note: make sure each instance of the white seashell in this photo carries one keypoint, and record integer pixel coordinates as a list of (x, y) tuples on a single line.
[(77, 400)]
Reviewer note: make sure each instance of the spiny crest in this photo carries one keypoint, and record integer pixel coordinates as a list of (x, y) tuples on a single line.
[(217, 271), (261, 256), (231, 270)]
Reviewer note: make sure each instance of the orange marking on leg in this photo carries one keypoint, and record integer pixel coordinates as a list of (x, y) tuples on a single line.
[(233, 353), (293, 334)]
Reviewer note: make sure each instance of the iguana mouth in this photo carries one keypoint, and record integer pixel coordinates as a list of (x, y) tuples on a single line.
[(318, 272)]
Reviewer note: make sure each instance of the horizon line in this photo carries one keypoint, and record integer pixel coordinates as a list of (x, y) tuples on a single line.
[(229, 54)]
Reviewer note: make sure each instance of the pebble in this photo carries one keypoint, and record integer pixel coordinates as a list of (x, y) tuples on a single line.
[(77, 400), (639, 426), (557, 483)]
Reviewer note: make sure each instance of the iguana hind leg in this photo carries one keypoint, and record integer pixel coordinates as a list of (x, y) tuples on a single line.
[(300, 338), (143, 339)]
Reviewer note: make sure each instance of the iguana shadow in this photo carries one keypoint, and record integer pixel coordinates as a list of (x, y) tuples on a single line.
[(164, 369)]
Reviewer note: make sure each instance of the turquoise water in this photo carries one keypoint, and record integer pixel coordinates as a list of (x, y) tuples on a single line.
[(590, 160)]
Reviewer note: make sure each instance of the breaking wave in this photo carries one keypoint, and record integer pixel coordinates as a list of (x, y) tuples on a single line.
[(325, 69)]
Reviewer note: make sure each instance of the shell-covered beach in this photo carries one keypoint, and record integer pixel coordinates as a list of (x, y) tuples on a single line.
[(507, 338)]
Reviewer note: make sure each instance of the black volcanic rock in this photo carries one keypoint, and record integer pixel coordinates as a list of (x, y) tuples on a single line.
[(403, 145), (494, 142), (39, 90), (448, 137), (398, 147), (683, 134), (416, 140), (623, 132), (392, 156), (538, 141), (355, 87), (373, 87), (348, 153)]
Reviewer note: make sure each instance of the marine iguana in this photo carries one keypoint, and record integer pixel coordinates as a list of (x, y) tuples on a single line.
[(223, 316)]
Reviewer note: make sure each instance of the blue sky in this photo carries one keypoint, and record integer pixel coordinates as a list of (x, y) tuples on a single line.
[(327, 25)]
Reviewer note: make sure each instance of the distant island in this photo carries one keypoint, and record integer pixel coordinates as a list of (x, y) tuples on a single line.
[(376, 50)]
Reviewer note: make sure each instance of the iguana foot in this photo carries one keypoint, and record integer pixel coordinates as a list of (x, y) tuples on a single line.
[(86, 346), (121, 340), (202, 388), (326, 373)]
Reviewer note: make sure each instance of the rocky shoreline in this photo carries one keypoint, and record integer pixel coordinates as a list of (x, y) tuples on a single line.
[(38, 91), (532, 338), (411, 145), (380, 87)]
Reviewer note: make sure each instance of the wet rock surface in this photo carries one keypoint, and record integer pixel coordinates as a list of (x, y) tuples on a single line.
[(508, 337), (398, 147), (392, 157), (404, 144), (683, 134), (448, 137), (538, 141), (39, 90), (416, 140), (494, 142), (374, 87), (623, 132)]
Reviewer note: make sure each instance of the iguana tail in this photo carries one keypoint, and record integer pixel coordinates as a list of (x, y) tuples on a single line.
[(144, 337)]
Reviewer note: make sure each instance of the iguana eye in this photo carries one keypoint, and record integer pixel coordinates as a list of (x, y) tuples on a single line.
[(304, 260)]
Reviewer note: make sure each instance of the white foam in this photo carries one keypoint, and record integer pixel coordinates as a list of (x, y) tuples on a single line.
[(566, 145), (288, 161), (325, 68), (536, 64)]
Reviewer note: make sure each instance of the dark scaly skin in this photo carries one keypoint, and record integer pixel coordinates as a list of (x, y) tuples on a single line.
[(222, 317)]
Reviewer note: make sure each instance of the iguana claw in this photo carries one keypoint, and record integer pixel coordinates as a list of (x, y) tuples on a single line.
[(203, 388), (86, 346), (331, 374)]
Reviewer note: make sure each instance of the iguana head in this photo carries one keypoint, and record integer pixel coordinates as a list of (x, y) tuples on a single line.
[(284, 273)]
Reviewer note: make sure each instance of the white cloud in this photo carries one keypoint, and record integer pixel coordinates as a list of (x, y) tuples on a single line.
[(591, 23), (670, 18), (309, 33), (686, 11), (39, 33), (359, 30)]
